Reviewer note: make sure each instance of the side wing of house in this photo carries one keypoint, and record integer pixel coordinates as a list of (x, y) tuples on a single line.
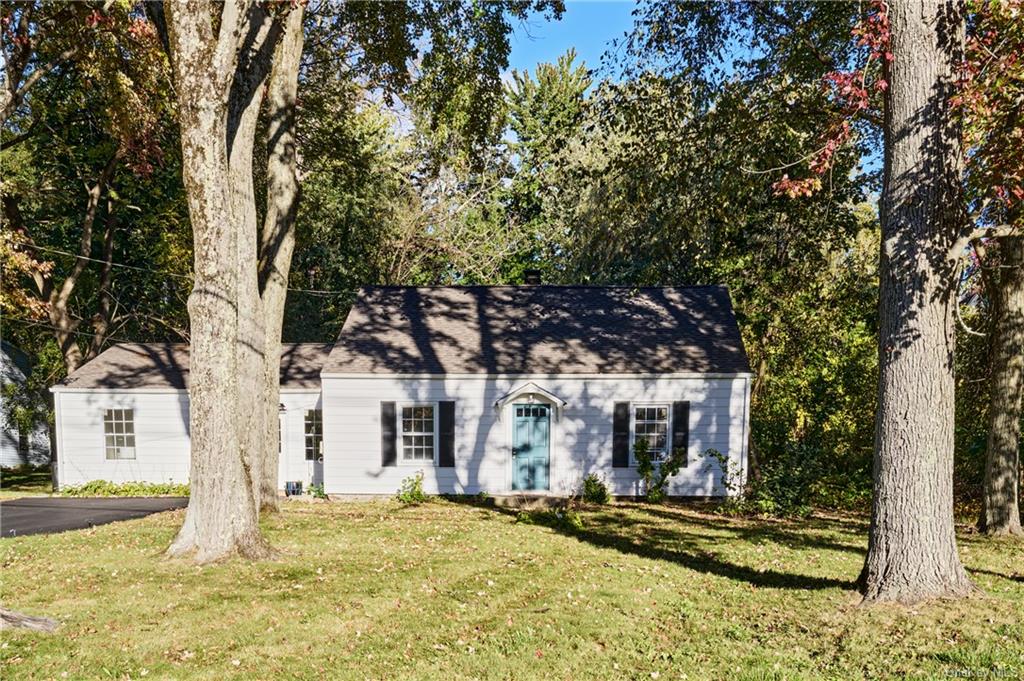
[(143, 436), (378, 431), (121, 436)]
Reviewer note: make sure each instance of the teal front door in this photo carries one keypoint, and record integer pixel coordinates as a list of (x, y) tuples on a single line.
[(531, 447)]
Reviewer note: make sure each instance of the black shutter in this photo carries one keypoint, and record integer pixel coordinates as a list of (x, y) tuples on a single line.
[(446, 424), (681, 429), (620, 435), (388, 452)]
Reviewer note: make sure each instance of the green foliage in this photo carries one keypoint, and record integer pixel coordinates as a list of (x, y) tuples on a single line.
[(317, 491), (655, 474), (411, 490), (972, 372), (789, 486), (595, 490), (785, 484), (110, 102), (103, 488), (644, 463)]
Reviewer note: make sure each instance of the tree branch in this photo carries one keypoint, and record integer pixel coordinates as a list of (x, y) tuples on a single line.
[(956, 251), (85, 246), (102, 318), (14, 98)]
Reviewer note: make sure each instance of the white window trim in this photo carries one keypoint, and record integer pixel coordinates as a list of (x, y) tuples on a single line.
[(632, 428), (402, 461), (134, 448), (318, 457)]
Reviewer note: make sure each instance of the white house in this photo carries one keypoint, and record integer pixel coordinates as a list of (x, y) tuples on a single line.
[(521, 389), (18, 446)]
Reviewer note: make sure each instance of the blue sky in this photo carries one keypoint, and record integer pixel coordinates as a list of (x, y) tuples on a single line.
[(587, 26)]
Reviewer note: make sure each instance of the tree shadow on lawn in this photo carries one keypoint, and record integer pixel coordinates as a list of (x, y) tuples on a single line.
[(775, 531), (26, 479), (613, 528)]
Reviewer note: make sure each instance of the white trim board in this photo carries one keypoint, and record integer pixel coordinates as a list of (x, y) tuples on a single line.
[(482, 376), (165, 391)]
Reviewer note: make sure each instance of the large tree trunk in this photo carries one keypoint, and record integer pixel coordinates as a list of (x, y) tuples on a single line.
[(278, 238), (1000, 512), (243, 114), (912, 552), (221, 518)]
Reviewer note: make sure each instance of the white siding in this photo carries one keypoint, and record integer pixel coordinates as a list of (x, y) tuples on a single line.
[(581, 434), (293, 465), (161, 436), (581, 439), (11, 455)]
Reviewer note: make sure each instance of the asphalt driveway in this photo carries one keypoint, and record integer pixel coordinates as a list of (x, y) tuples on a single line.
[(46, 515)]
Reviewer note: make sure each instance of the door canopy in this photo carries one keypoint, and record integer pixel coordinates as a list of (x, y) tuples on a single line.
[(531, 392)]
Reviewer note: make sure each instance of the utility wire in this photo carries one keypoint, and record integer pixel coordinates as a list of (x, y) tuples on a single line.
[(30, 322), (188, 277)]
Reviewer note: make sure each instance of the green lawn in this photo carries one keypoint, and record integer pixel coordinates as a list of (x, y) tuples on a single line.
[(376, 590), (25, 482)]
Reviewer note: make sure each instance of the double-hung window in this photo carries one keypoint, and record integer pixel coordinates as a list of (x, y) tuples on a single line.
[(651, 423), (314, 430), (418, 425), (119, 433)]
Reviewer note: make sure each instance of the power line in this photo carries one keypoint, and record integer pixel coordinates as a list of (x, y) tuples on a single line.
[(188, 277), (115, 264), (30, 322)]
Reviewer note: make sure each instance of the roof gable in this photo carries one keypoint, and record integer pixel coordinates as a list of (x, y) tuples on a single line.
[(539, 330)]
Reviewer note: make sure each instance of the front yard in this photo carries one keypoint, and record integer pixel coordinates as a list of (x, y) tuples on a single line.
[(25, 481), (376, 590)]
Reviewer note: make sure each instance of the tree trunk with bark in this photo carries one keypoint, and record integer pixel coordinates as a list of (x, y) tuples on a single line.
[(221, 518), (912, 553), (1000, 510), (243, 114), (278, 238)]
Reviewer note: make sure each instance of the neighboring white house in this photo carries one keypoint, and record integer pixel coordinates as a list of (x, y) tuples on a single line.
[(18, 447), (504, 390)]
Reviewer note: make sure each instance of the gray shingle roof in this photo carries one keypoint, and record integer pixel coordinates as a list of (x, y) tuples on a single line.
[(128, 366), (540, 330)]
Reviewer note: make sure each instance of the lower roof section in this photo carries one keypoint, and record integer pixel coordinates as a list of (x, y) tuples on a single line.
[(165, 367)]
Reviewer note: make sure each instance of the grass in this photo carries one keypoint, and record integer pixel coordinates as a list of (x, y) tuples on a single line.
[(378, 590), (25, 481)]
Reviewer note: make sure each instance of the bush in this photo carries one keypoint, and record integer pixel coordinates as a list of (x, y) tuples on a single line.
[(784, 488), (655, 474), (595, 491), (317, 491), (104, 488), (411, 491)]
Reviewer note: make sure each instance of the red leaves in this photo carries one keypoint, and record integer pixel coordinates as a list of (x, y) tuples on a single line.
[(97, 18), (873, 31), (852, 91), (796, 188)]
